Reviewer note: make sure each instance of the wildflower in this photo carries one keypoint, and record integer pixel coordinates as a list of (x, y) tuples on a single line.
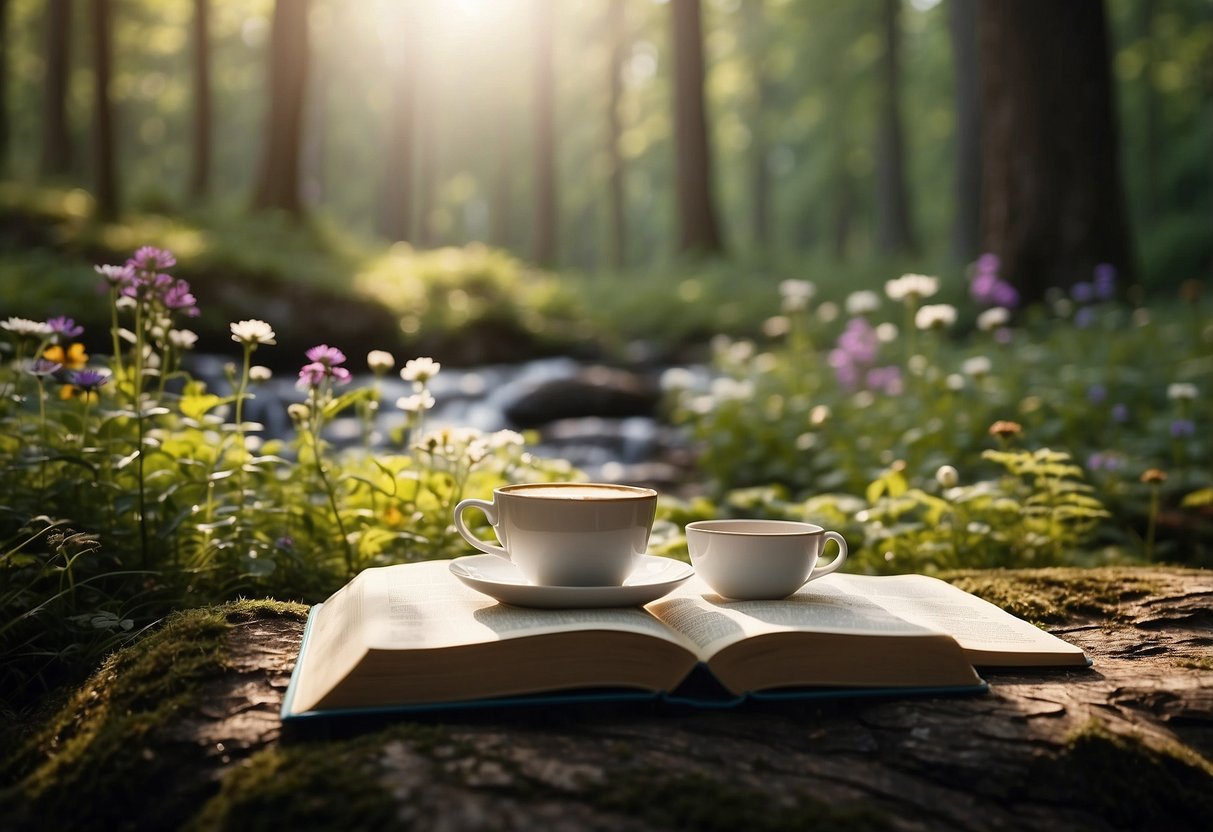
[(796, 294), (505, 439), (25, 328), (1005, 429), (73, 358), (1104, 461), (1120, 413), (862, 302), (420, 370), (819, 414), (886, 333), (88, 380), (416, 403), (1096, 393), (152, 259), (977, 366), (776, 326), (286, 543), (380, 361), (115, 276), (1104, 282), (911, 287), (311, 375), (1082, 292), (298, 412), (42, 368), (1182, 428), (947, 476), (1154, 476), (935, 316), (885, 380), (177, 298), (677, 378), (182, 339), (1181, 391), (63, 327), (993, 318), (253, 332), (954, 381), (326, 355), (260, 373), (827, 312)]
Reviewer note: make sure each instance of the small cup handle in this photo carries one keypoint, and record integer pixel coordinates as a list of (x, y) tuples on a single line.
[(818, 571), (490, 511)]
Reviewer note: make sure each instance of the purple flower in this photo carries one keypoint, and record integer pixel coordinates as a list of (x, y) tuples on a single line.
[(177, 297), (1096, 393), (1105, 281), (286, 543), (312, 375), (115, 276), (988, 263), (1005, 295), (1084, 317), (152, 259), (885, 380), (65, 327), (1182, 428), (1082, 292), (340, 375), (1104, 461), (859, 341), (326, 355), (88, 379), (42, 367), (1120, 413)]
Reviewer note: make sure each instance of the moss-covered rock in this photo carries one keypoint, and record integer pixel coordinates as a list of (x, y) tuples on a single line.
[(1051, 596)]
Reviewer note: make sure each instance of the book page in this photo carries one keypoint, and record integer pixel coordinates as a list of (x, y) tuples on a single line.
[(978, 625), (423, 606), (713, 623)]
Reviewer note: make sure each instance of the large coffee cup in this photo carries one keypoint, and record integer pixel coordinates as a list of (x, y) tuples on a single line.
[(566, 533), (749, 560)]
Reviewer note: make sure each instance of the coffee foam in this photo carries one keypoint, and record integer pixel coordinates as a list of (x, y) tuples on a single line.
[(578, 491)]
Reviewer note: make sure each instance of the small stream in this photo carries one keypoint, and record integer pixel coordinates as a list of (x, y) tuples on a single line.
[(637, 447)]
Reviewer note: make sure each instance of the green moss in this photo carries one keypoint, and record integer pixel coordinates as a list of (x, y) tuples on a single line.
[(1050, 596), (1197, 663), (95, 763), (1130, 782)]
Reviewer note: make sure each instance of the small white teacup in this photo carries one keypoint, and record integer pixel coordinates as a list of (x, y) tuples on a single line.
[(749, 560), (567, 533)]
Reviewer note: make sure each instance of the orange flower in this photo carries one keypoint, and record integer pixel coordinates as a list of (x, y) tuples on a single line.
[(1005, 429), (73, 358), (1154, 476)]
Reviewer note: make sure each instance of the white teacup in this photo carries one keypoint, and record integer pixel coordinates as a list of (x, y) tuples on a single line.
[(749, 560), (567, 533)]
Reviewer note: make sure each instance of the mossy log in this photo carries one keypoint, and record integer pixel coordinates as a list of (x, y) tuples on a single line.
[(182, 730)]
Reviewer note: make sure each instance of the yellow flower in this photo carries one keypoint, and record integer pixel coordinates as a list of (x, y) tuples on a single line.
[(73, 358)]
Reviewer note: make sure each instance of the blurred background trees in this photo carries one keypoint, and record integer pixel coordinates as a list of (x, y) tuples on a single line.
[(618, 133)]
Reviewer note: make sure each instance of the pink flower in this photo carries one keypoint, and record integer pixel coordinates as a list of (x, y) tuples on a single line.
[(326, 355)]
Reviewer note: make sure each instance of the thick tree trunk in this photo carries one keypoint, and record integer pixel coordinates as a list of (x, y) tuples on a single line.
[(278, 183), (4, 119), (104, 162), (1052, 204), (396, 215), (894, 230), (760, 179), (698, 229), (543, 241), (200, 171), (966, 222), (616, 28), (56, 142)]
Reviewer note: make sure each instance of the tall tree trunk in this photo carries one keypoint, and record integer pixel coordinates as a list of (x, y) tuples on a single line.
[(966, 222), (396, 216), (543, 248), (4, 120), (1052, 204), (103, 138), (278, 183), (760, 179), (616, 28), (56, 141), (1150, 152), (894, 231), (200, 171), (699, 231)]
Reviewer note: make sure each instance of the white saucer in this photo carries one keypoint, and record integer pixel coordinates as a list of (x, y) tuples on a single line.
[(500, 579)]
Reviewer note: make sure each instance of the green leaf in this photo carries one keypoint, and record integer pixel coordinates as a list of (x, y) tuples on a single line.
[(1203, 497)]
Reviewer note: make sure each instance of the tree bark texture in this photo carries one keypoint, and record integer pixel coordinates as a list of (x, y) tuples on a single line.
[(104, 161), (200, 170), (894, 229), (278, 182), (617, 29), (1052, 201), (56, 139), (1125, 744), (396, 215), (966, 221), (543, 241), (698, 229)]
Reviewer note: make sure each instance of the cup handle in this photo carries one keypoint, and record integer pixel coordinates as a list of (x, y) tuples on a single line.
[(836, 562), (490, 511)]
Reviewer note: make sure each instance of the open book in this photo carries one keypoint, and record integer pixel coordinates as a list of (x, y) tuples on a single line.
[(413, 636)]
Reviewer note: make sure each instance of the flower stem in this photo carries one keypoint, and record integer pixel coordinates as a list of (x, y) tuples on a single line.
[(1152, 523), (314, 430)]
